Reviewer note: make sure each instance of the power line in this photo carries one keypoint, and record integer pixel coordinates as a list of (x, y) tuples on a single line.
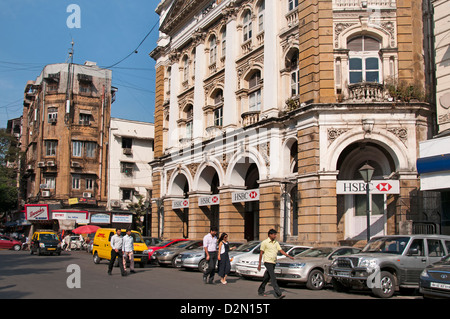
[(135, 50)]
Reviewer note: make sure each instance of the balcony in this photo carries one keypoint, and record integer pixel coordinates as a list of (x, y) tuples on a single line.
[(249, 118), (213, 131), (358, 5), (367, 92)]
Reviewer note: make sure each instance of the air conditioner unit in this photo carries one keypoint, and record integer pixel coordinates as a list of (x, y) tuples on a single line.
[(115, 203), (29, 167), (128, 151), (45, 193), (41, 164), (87, 195), (75, 164), (51, 163)]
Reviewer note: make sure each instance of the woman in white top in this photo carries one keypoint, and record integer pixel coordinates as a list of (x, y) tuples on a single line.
[(224, 259)]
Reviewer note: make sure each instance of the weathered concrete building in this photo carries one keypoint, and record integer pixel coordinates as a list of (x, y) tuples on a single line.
[(266, 110)]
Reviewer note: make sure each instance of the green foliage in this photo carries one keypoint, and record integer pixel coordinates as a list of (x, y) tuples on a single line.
[(9, 153), (139, 209)]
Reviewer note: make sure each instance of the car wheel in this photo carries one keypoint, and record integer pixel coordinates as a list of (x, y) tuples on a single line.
[(387, 285), (203, 265), (16, 247), (96, 258), (174, 262), (38, 251), (316, 280)]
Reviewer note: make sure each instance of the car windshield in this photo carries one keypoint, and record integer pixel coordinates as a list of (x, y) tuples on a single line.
[(387, 245), (182, 244), (316, 252), (284, 248), (247, 246), (48, 237), (149, 241), (164, 243)]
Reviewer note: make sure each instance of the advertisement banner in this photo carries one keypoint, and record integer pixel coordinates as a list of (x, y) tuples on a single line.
[(36, 212)]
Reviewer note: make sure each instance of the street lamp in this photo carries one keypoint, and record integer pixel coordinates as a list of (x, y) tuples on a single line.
[(366, 172)]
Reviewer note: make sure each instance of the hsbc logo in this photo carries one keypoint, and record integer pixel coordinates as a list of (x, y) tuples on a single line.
[(209, 200), (384, 187), (245, 196), (375, 187)]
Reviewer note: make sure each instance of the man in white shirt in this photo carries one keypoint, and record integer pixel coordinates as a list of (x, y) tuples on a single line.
[(116, 251), (210, 247), (128, 246)]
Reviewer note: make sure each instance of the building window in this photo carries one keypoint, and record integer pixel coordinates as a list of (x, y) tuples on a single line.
[(292, 4), (247, 27), (50, 148), (126, 194), (224, 42), (77, 148), (185, 68), (295, 73), (212, 50), (76, 181), (261, 8), (364, 61), (127, 142), (85, 119), (90, 149), (52, 114), (50, 181), (189, 129), (90, 184), (126, 168), (254, 98), (218, 116)]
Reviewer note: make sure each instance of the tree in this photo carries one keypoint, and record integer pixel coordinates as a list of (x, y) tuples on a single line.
[(9, 154), (139, 209)]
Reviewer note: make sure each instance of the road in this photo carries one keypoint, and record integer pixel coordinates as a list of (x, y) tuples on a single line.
[(26, 276)]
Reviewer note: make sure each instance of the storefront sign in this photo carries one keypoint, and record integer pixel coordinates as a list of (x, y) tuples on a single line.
[(36, 212), (375, 187), (179, 204), (79, 216), (100, 219), (209, 200), (125, 218), (245, 196)]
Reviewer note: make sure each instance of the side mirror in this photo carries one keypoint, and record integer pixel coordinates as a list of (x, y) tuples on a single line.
[(413, 251)]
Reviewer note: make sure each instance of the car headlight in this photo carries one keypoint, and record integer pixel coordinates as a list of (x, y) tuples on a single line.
[(42, 245), (59, 245), (150, 250), (166, 253), (199, 255), (297, 265), (254, 263), (369, 263), (424, 274), (145, 252)]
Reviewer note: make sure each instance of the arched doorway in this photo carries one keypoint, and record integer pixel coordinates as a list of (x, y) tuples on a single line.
[(251, 212), (209, 181), (180, 188), (353, 207)]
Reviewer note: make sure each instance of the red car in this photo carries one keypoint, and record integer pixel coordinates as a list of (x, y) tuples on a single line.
[(9, 243), (161, 245)]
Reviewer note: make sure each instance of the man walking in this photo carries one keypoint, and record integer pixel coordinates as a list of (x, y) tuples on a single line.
[(270, 248), (116, 252), (210, 247), (128, 246)]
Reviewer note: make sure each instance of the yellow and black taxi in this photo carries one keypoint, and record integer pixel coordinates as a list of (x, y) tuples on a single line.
[(45, 242), (101, 248)]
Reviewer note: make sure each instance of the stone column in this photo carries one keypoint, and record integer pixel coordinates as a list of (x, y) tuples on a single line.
[(231, 215)]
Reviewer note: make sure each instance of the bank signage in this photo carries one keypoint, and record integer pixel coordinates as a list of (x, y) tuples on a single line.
[(36, 212), (124, 218), (209, 200), (375, 187), (100, 218), (245, 196), (180, 204)]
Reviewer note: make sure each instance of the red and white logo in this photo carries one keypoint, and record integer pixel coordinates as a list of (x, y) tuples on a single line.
[(214, 199), (384, 187), (253, 194)]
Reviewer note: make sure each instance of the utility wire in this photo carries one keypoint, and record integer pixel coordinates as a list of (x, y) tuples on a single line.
[(135, 50)]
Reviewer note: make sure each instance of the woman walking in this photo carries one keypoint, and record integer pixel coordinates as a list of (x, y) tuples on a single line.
[(224, 259)]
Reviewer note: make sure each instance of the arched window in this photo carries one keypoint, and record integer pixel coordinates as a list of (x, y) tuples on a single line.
[(293, 67), (364, 60), (261, 9), (212, 49), (185, 68), (189, 116), (224, 41), (247, 25)]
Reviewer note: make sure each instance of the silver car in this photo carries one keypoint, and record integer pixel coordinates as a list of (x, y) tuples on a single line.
[(309, 266), (167, 256), (196, 259)]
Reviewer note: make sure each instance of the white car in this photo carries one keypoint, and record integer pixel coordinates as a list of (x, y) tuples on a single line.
[(247, 266)]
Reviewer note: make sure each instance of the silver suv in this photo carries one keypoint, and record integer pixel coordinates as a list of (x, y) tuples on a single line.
[(388, 263)]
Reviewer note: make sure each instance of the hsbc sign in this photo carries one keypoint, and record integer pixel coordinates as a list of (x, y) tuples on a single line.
[(375, 187), (209, 200), (245, 196), (179, 204)]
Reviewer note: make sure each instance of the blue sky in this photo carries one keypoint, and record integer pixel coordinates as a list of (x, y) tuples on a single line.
[(34, 33)]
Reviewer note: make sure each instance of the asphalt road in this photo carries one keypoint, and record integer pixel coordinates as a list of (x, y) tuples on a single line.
[(24, 276)]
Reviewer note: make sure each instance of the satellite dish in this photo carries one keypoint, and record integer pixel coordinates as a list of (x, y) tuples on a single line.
[(444, 100)]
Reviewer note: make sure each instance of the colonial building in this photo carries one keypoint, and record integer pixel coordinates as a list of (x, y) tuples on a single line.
[(266, 109), (66, 119)]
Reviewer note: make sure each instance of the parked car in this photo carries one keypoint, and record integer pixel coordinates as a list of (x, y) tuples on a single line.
[(168, 255), (161, 245), (435, 279), (75, 242), (151, 241), (388, 263), (196, 258), (309, 266), (45, 241), (9, 243), (242, 251), (247, 266)]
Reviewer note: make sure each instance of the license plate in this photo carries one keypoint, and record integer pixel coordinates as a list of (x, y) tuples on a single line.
[(51, 248), (277, 271), (440, 286), (343, 273)]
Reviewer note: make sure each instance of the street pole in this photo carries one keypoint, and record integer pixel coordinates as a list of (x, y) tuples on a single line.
[(368, 210)]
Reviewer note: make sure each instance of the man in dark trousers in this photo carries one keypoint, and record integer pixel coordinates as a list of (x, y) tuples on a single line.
[(210, 247), (116, 252), (270, 248)]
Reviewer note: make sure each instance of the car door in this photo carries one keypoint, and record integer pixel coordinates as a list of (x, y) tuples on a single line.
[(435, 249), (414, 262), (3, 242)]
